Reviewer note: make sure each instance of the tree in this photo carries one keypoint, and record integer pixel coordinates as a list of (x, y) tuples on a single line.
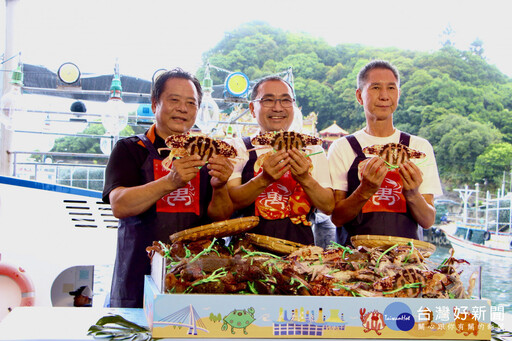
[(85, 145), (413, 91), (457, 143), (312, 95), (80, 144), (305, 65), (256, 49), (447, 36), (490, 165), (336, 73), (477, 48)]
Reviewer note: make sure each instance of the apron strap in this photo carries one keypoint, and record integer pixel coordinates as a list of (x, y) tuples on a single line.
[(149, 146), (355, 146)]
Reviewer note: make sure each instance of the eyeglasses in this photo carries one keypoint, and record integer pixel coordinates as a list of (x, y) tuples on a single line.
[(270, 103)]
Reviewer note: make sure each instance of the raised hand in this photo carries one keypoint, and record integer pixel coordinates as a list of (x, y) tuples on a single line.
[(300, 164), (411, 177), (276, 165), (184, 169), (220, 169), (372, 173)]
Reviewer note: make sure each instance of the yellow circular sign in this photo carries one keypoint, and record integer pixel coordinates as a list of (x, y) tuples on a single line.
[(68, 73), (237, 84)]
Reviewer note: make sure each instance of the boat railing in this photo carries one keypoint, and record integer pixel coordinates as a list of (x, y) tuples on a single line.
[(487, 217), (474, 226), (492, 226), (76, 174)]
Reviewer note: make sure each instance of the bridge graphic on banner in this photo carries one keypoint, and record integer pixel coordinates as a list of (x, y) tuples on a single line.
[(186, 317)]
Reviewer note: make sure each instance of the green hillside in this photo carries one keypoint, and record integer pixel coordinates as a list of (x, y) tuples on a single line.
[(454, 98)]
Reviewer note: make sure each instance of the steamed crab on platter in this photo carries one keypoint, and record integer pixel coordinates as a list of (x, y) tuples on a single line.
[(242, 267), (282, 140), (182, 145)]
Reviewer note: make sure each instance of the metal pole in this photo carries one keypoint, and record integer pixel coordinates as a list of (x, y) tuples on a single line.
[(498, 200), (477, 190), (464, 195), (487, 199), (14, 165), (503, 184), (510, 211), (9, 64), (10, 42), (88, 186)]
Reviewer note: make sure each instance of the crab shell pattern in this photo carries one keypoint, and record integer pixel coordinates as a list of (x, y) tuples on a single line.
[(282, 140), (394, 153), (206, 147), (285, 140)]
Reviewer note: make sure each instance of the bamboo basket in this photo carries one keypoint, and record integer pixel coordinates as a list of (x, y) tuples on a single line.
[(281, 246), (388, 241), (216, 230)]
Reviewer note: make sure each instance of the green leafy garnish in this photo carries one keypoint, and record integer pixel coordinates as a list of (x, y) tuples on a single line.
[(407, 286), (410, 252), (252, 287), (499, 334), (354, 293), (257, 253), (378, 259), (116, 327), (205, 251), (214, 277), (339, 246)]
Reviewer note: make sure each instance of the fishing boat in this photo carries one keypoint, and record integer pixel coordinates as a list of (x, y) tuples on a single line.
[(485, 230)]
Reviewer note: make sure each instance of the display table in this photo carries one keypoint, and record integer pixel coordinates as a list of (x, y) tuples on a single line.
[(59, 323), (46, 323)]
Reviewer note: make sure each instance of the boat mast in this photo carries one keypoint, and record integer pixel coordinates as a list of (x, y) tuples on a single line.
[(465, 194)]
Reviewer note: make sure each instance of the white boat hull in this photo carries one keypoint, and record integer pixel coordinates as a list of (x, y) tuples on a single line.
[(462, 246), (46, 229)]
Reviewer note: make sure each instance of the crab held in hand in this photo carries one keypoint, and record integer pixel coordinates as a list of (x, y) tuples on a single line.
[(184, 145), (282, 140), (394, 154), (285, 140)]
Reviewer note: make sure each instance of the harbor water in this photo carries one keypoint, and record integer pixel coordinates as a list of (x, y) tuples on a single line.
[(495, 277)]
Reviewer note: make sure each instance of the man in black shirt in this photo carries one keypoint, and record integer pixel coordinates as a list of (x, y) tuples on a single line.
[(152, 202)]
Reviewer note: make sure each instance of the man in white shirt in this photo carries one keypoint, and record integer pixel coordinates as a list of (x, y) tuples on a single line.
[(371, 198)]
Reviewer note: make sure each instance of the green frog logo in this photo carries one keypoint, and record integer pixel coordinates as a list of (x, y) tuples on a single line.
[(238, 319)]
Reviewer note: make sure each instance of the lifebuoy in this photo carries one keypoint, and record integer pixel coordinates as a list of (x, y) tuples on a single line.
[(487, 235), (24, 282)]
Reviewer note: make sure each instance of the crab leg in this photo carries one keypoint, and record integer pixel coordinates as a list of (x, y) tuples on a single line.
[(160, 149)]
